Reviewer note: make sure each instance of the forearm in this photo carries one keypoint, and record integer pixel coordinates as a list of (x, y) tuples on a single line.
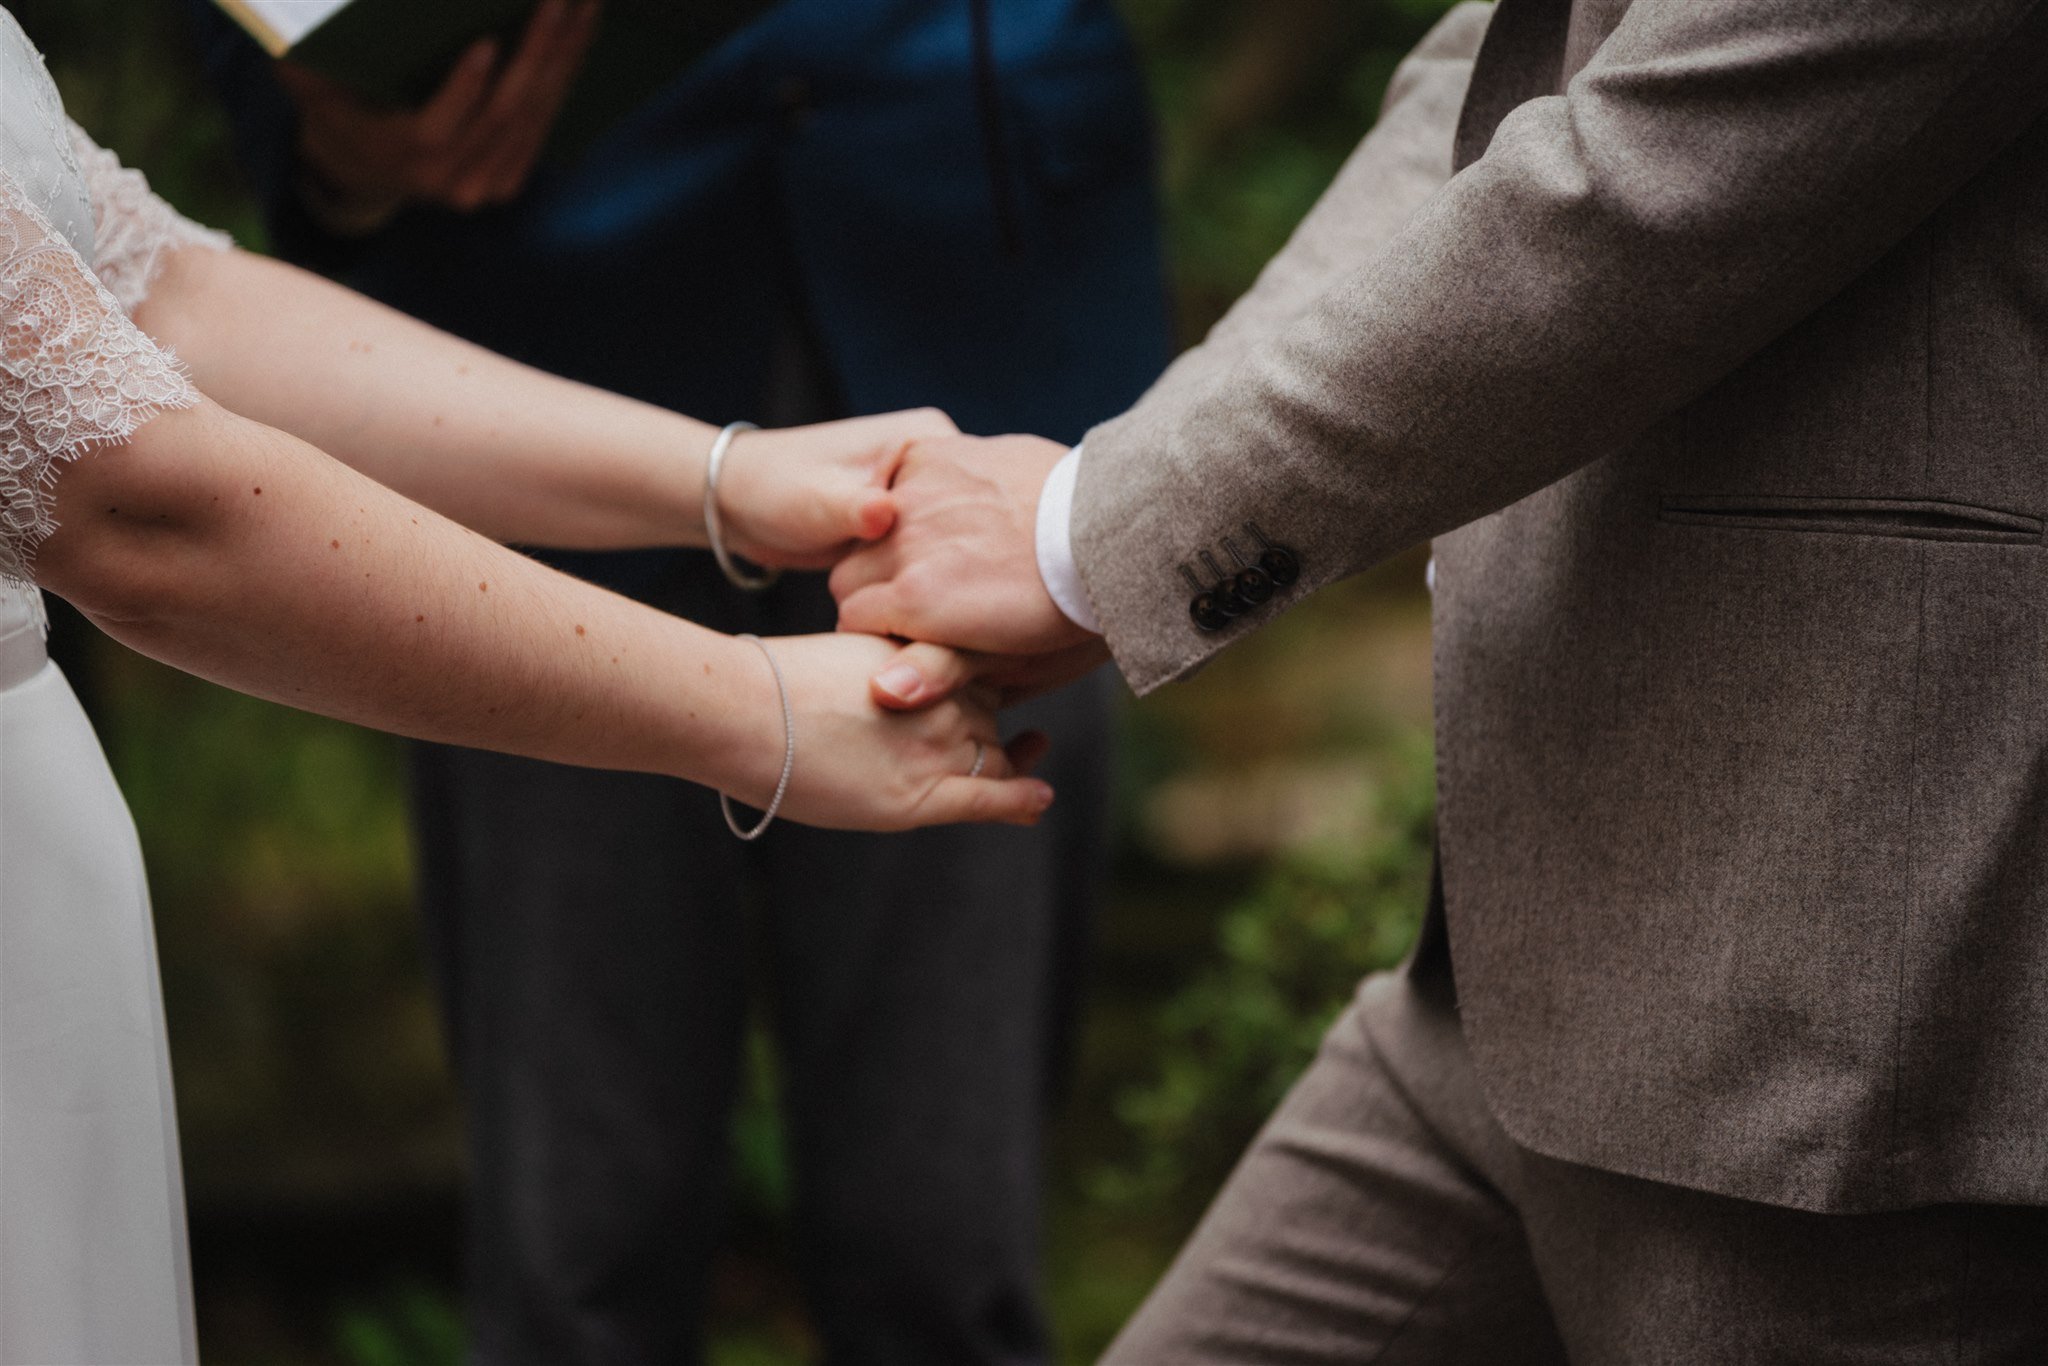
[(242, 555), (520, 455)]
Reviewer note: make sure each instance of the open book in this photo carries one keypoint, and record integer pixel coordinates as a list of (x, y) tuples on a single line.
[(398, 51)]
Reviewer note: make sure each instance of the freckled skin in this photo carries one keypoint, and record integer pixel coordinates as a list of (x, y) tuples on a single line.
[(298, 634)]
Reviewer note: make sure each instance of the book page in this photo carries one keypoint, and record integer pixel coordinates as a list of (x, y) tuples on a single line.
[(279, 24)]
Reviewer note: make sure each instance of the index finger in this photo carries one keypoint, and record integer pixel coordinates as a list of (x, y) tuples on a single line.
[(443, 116), (549, 35), (526, 133)]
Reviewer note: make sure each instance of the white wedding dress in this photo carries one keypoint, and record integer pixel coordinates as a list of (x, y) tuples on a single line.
[(93, 1267)]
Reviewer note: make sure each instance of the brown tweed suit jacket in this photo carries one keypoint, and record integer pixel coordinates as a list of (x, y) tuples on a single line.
[(1717, 373)]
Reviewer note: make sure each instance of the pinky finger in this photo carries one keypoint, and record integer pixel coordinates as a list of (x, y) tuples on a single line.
[(998, 801)]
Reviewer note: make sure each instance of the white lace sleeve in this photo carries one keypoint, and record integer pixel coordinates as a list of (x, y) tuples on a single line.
[(135, 229), (75, 373)]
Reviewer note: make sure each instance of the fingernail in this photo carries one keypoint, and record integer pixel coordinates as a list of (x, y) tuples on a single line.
[(900, 681), (1041, 795)]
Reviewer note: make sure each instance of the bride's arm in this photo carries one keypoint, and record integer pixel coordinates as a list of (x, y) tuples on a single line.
[(520, 455), (244, 555)]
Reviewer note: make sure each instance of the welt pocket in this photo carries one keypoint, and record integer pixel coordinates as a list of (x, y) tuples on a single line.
[(1917, 519)]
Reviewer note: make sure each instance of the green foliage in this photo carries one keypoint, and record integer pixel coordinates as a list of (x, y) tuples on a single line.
[(1289, 956), (410, 1325), (1259, 105), (761, 1177)]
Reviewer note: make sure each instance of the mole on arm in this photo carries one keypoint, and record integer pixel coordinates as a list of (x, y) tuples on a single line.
[(259, 493), (580, 630), (334, 545)]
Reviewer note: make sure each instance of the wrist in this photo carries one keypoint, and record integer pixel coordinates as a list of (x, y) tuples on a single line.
[(740, 752), (1058, 572), (678, 503)]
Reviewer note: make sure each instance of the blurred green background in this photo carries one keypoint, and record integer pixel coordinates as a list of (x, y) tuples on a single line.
[(1272, 826)]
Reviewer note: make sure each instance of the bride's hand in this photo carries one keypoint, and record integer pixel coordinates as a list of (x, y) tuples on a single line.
[(859, 767), (802, 497)]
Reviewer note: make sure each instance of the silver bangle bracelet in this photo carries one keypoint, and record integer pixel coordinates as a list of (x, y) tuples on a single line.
[(788, 754), (714, 530)]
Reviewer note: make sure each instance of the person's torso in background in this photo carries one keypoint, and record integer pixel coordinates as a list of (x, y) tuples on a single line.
[(955, 198)]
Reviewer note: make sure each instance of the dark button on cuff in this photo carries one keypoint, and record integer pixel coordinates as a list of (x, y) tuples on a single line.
[(1282, 565), (1251, 587), (1254, 585)]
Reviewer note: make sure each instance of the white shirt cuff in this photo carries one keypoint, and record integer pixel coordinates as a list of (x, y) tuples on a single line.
[(1056, 545)]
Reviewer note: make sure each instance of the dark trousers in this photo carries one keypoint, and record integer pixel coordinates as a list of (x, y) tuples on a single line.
[(594, 931), (594, 934), (1384, 1216)]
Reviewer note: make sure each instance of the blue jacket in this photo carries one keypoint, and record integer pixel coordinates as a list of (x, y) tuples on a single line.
[(956, 195)]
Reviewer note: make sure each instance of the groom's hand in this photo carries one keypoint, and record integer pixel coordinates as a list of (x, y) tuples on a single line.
[(961, 567)]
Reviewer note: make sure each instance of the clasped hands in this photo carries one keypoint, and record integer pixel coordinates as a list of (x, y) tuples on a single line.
[(939, 550), (958, 578), (932, 539)]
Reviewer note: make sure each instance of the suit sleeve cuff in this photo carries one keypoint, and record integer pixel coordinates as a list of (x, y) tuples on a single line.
[(1056, 545)]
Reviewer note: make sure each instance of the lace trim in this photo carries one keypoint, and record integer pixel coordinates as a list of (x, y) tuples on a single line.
[(136, 230), (75, 374)]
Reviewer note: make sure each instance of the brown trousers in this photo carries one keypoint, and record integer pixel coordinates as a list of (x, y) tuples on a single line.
[(1383, 1216)]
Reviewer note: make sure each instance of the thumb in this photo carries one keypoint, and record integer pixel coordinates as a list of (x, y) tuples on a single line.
[(870, 514), (920, 675), (1001, 801)]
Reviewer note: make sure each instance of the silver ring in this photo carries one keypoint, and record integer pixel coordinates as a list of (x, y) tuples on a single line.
[(980, 759)]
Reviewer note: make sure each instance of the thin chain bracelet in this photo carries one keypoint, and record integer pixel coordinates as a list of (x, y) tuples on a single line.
[(788, 754), (714, 529)]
